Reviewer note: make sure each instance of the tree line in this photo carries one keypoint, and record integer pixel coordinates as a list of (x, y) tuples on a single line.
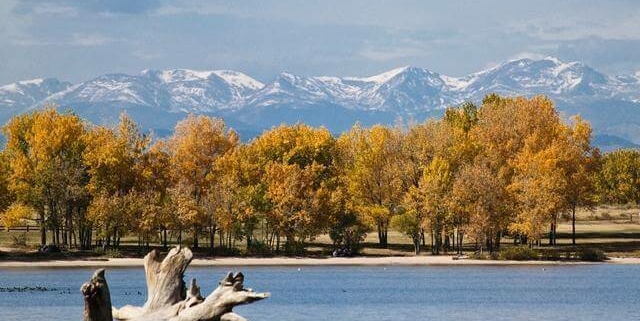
[(510, 166)]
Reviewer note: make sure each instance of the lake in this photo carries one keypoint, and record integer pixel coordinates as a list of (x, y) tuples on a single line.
[(577, 292)]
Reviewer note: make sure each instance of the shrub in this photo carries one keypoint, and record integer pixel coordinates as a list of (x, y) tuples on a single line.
[(258, 248), (551, 255), (519, 253), (592, 255), (19, 241), (294, 247), (485, 255), (97, 251), (348, 232), (478, 256), (606, 216), (568, 255), (227, 251), (113, 253)]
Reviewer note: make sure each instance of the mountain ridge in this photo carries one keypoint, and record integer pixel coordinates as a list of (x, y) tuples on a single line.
[(159, 97)]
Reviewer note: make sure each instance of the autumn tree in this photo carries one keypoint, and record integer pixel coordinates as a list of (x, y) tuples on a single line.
[(618, 180), (113, 158), (374, 174), (433, 153), (580, 165), (155, 184), (6, 196), (479, 198), (518, 136), (194, 147), (298, 167), (44, 150), (237, 196)]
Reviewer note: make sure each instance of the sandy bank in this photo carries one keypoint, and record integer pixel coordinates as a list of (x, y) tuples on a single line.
[(287, 261)]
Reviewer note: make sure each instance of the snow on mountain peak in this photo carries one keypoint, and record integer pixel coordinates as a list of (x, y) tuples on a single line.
[(173, 75), (238, 79), (231, 77), (401, 91), (16, 85), (380, 78), (25, 93), (455, 83), (37, 82), (553, 59)]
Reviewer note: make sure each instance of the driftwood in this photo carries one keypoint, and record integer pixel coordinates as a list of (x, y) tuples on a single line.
[(167, 298), (97, 300)]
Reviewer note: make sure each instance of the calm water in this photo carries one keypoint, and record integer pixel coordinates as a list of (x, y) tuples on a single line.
[(592, 292)]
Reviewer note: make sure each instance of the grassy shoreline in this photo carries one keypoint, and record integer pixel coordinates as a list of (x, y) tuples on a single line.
[(608, 228)]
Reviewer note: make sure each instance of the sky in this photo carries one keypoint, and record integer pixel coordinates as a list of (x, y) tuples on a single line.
[(78, 40)]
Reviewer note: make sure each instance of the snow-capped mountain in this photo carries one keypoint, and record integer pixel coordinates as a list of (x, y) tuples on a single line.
[(177, 90), (157, 98), (529, 77), (16, 96)]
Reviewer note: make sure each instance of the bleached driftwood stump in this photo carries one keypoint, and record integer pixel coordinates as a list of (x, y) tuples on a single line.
[(167, 298)]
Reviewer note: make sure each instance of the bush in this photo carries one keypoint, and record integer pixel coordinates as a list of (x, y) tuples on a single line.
[(113, 253), (227, 251), (258, 248), (519, 253), (19, 241), (606, 216), (97, 251), (479, 256), (592, 255), (348, 232), (485, 255), (294, 247), (551, 255)]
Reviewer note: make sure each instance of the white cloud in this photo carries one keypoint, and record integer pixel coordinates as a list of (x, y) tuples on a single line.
[(386, 54), (90, 40), (607, 25), (54, 9), (146, 55)]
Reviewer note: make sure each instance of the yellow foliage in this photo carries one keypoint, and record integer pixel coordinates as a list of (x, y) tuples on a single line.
[(16, 215)]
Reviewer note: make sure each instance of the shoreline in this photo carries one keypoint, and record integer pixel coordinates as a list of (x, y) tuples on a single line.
[(291, 261)]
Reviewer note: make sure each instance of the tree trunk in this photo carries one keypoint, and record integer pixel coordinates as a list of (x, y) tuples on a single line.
[(573, 225), (212, 234), (43, 230), (164, 237), (167, 300), (195, 237), (416, 243)]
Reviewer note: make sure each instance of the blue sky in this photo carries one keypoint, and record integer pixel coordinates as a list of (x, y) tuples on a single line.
[(76, 40)]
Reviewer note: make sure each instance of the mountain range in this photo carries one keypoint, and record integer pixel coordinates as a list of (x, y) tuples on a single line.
[(157, 99)]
